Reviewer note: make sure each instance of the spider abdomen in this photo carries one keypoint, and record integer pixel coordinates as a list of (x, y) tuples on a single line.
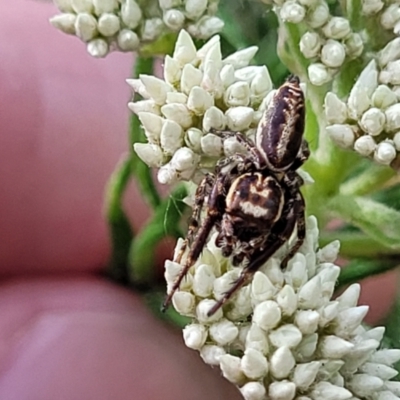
[(255, 199)]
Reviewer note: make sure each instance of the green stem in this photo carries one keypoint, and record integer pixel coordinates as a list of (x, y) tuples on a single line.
[(369, 181), (165, 222), (359, 269)]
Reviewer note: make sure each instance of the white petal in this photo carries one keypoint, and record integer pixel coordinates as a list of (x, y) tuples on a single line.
[(64, 22), (152, 124), (156, 87), (318, 15), (334, 347), (213, 118), (253, 391), (335, 109), (327, 391), (292, 12), (167, 175), (282, 362), (138, 87), (172, 70), (342, 135), (178, 113), (330, 252), (328, 313), (333, 54), (194, 336), (373, 121), (203, 280), (364, 385), (152, 29), (211, 354), (310, 44), (151, 154), (85, 26), (287, 300), (307, 347), (193, 139), (307, 321), (144, 106), (199, 100), (64, 5), (171, 137), (283, 390), (319, 74), (286, 335), (309, 296), (238, 94), (386, 356), (305, 374), (104, 6), (349, 298), (128, 40), (190, 77), (239, 118), (174, 19), (381, 371), (131, 14), (211, 145), (224, 332), (365, 145), (108, 24), (176, 97), (195, 8), (254, 364), (241, 58), (257, 339), (203, 308), (183, 302), (82, 6), (267, 315), (385, 153), (185, 50), (261, 288), (230, 367), (383, 97), (349, 319), (337, 28), (390, 52)]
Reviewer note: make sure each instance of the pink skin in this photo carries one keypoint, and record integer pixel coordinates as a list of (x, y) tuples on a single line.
[(65, 333)]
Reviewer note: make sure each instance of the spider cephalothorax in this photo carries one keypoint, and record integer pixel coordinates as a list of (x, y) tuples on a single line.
[(253, 200)]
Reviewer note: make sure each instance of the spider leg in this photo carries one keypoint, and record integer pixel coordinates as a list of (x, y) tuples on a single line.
[(213, 215), (202, 191)]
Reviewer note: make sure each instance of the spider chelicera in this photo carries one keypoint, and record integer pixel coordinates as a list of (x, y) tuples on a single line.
[(253, 200)]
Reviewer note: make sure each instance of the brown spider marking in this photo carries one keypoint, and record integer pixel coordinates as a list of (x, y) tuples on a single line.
[(255, 204)]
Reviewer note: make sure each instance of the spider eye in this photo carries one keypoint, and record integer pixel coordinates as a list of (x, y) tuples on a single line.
[(279, 135)]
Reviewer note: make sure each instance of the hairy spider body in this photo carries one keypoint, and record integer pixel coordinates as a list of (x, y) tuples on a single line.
[(253, 200)]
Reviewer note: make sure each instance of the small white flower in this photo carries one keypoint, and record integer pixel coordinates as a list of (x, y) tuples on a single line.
[(292, 12), (342, 135), (383, 97), (64, 22), (392, 114), (310, 44), (253, 391), (373, 121), (317, 16), (337, 28), (333, 54), (370, 7), (365, 145), (319, 74), (195, 336), (390, 52), (97, 48), (151, 154), (354, 45), (390, 16), (385, 153)]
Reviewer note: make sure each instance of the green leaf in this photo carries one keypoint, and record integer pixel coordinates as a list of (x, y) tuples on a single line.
[(376, 220), (165, 222)]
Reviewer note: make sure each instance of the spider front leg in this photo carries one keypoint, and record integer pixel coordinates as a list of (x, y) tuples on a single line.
[(216, 198), (202, 191)]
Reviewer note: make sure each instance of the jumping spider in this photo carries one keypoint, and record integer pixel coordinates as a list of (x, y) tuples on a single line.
[(253, 200)]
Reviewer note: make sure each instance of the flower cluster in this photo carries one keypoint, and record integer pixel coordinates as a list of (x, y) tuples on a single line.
[(328, 41), (200, 96), (370, 119), (282, 336), (126, 25)]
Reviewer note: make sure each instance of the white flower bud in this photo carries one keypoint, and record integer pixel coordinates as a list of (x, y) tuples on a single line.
[(310, 44), (178, 113), (333, 54), (307, 321), (286, 335), (190, 77), (242, 305), (370, 7), (64, 5), (334, 347), (337, 28), (287, 300), (239, 118), (260, 85), (224, 283), (381, 371), (211, 145), (176, 97), (82, 6), (131, 14), (64, 22), (195, 336), (390, 52), (394, 387), (393, 117), (261, 288), (193, 139), (227, 75), (386, 356), (171, 137), (144, 106), (128, 40), (330, 252), (167, 175), (223, 332), (373, 121), (151, 154), (307, 347), (211, 354), (349, 298), (257, 339), (97, 48), (342, 135), (309, 296), (348, 320), (385, 153), (318, 15), (184, 159), (195, 8), (105, 6), (167, 4), (390, 16), (247, 74), (363, 385), (383, 97), (213, 118), (172, 70), (211, 79), (152, 29), (241, 58), (152, 124), (230, 367), (157, 88), (298, 270), (292, 12), (335, 109), (327, 391), (86, 27), (232, 146), (283, 390), (174, 19), (361, 93), (282, 362), (183, 302), (207, 26), (108, 24), (238, 94), (392, 71), (138, 87), (305, 374), (253, 391), (365, 145), (203, 307), (396, 141), (185, 50), (254, 364), (354, 45), (199, 101), (267, 315), (319, 74)]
